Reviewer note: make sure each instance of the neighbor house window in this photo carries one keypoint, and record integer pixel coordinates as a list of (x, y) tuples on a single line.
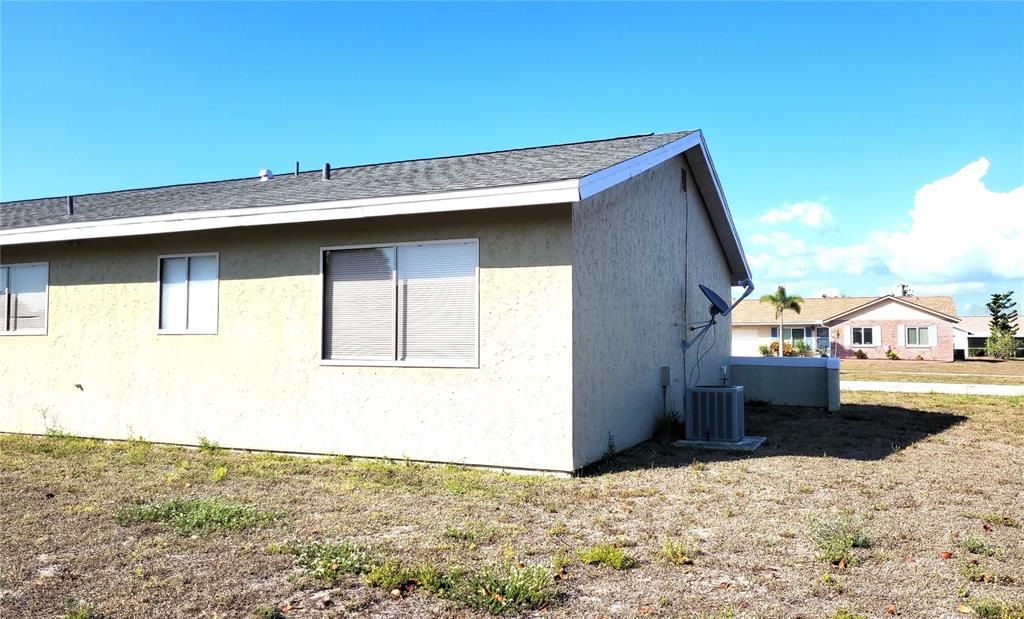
[(790, 335), (917, 336), (402, 304), (188, 293), (863, 336), (23, 298)]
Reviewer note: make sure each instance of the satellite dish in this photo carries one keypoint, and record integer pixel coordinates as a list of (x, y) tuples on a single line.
[(718, 304)]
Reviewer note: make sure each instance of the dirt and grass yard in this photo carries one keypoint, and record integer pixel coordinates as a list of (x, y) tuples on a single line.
[(899, 505), (976, 371)]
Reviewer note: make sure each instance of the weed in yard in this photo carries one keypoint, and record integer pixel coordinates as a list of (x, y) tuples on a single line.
[(609, 450), (54, 444), (208, 447), (836, 537), (843, 613), (189, 516), (559, 528), (995, 519), (678, 551), (972, 571), (76, 610), (995, 608), (498, 589), (977, 545), (473, 535), (218, 473), (329, 562), (606, 554), (668, 427), (832, 582), (267, 612)]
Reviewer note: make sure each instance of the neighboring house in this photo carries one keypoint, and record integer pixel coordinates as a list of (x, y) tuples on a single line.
[(508, 309), (840, 326), (971, 337)]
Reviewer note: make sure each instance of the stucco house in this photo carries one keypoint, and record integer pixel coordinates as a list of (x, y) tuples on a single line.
[(970, 337), (910, 326), (508, 309)]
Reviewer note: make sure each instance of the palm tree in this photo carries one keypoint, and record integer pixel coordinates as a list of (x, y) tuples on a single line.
[(782, 302)]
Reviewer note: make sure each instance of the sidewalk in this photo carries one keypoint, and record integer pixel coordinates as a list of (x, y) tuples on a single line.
[(901, 387)]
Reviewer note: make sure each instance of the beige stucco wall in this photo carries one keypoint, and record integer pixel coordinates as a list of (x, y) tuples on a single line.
[(746, 339), (630, 259), (258, 383)]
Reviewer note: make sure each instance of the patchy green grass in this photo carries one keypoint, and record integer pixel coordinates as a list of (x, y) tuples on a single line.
[(501, 589), (473, 534), (425, 532), (978, 545), (996, 519), (990, 607), (188, 516), (610, 555), (679, 551), (835, 537), (268, 612), (844, 613), (80, 610), (328, 562)]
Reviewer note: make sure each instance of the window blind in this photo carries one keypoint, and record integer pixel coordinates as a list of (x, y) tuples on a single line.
[(437, 301), (411, 303), (23, 298), (359, 304), (188, 294), (174, 293)]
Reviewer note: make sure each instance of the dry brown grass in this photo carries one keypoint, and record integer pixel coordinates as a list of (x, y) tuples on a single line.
[(918, 473), (977, 371)]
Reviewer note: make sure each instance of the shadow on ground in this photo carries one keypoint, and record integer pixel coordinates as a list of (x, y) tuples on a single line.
[(857, 432)]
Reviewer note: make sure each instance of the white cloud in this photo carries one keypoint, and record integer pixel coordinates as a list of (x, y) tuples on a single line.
[(961, 238), (811, 214), (960, 231)]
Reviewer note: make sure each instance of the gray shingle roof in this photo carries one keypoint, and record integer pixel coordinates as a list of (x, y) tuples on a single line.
[(420, 176)]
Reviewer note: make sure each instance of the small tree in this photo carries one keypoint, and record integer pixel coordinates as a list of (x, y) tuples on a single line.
[(782, 302), (1004, 316), (1001, 345)]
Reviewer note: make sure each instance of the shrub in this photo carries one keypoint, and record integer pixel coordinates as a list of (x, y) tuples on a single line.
[(800, 348), (607, 554), (837, 536), (505, 588), (891, 355), (860, 354), (787, 349), (195, 515), (668, 427), (765, 350), (1001, 345)]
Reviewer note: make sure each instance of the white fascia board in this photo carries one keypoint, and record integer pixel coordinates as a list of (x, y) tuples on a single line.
[(725, 207), (557, 192), (910, 304), (625, 170)]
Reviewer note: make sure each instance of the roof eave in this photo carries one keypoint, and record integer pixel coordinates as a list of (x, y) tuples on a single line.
[(917, 306)]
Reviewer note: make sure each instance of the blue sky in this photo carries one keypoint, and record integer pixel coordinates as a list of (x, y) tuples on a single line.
[(824, 120)]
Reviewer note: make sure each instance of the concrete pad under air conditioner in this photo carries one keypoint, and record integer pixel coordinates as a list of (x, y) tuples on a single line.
[(747, 443)]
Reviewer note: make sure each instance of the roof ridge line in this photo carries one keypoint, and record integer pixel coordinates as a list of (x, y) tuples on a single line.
[(350, 167)]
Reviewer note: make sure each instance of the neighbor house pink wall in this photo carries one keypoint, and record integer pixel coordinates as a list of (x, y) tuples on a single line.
[(942, 350)]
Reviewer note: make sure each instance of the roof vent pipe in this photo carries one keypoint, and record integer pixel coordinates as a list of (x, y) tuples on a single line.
[(296, 168), (327, 172), (71, 205)]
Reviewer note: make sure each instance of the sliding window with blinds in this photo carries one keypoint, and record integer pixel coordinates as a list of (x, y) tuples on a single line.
[(404, 304), (23, 298)]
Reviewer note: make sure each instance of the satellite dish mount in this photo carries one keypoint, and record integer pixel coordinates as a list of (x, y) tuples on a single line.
[(718, 308)]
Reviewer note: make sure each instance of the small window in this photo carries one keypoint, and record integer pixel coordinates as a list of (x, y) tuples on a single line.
[(188, 294), (403, 304), (24, 291), (917, 336), (863, 336)]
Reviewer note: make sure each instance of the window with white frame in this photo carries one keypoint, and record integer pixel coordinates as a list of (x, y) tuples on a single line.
[(188, 293), (863, 336), (918, 336), (24, 290), (402, 304)]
